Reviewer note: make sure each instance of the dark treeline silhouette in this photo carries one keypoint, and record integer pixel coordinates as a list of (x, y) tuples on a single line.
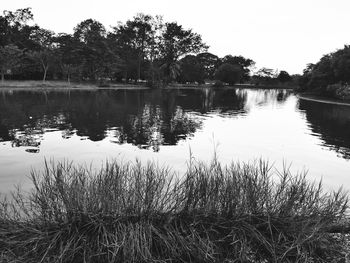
[(330, 76), (143, 49)]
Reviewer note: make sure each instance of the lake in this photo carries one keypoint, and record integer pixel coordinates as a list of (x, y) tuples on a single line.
[(170, 125)]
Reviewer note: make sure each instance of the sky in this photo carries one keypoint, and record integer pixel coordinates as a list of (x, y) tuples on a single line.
[(277, 34)]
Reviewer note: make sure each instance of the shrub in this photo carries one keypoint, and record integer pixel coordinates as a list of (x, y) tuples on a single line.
[(337, 91)]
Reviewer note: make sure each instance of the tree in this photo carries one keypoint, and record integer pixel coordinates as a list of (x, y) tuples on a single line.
[(143, 34), (229, 73), (265, 76), (122, 40), (191, 70), (210, 62), (68, 54), (332, 68), (89, 31), (244, 63), (3, 31), (45, 58), (137, 43), (14, 29), (238, 60), (322, 73), (10, 57), (44, 54), (19, 17), (341, 64), (96, 56), (178, 42), (284, 76), (42, 38), (154, 53), (266, 73)]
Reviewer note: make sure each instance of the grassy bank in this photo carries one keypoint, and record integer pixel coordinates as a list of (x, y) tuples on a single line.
[(36, 84), (135, 213)]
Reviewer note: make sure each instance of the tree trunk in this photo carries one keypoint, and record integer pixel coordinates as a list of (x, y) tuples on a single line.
[(139, 68), (45, 72), (152, 69)]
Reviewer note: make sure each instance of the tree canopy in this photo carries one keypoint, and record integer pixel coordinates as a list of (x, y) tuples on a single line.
[(143, 49), (229, 73), (332, 68)]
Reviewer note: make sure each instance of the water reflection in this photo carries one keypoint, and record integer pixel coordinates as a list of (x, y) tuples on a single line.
[(331, 123), (149, 119), (265, 97), (145, 118)]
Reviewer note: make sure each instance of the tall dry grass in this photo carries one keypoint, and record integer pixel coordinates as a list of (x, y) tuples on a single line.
[(144, 213)]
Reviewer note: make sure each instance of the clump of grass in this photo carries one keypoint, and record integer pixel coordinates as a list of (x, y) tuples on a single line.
[(144, 213)]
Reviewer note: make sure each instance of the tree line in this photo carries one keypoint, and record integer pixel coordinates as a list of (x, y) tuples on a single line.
[(330, 76), (143, 49)]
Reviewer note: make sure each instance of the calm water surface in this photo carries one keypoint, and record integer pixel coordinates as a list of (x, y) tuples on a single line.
[(90, 127)]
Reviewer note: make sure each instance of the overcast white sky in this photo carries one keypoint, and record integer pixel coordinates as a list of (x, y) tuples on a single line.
[(279, 34)]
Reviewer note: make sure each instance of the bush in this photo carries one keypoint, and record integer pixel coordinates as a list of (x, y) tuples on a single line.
[(135, 213), (337, 91)]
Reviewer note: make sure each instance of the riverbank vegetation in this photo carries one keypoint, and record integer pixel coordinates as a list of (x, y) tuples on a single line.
[(144, 213), (329, 77), (143, 50)]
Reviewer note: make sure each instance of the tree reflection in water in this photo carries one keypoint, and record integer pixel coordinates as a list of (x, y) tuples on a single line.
[(145, 118), (149, 119), (330, 122)]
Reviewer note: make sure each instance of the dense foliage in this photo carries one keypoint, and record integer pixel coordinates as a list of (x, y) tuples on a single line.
[(330, 76)]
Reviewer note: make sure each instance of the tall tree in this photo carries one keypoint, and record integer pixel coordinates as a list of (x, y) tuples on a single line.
[(45, 58), (192, 70), (44, 54), (210, 63), (123, 45), (176, 43), (244, 63), (229, 73), (94, 50), (284, 76), (68, 49), (143, 35), (136, 41), (332, 68), (14, 27)]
